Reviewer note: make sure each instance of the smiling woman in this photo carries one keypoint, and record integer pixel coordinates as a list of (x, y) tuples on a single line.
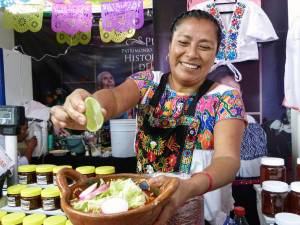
[(181, 118)]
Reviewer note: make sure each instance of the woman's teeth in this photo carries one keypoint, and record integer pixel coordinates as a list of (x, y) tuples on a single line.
[(190, 66)]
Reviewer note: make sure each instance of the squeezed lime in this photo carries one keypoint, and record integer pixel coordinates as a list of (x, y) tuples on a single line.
[(93, 114)]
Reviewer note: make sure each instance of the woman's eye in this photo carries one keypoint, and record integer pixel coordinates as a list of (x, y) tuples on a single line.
[(183, 42), (204, 47)]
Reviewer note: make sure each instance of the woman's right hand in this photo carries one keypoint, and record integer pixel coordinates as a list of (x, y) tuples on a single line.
[(71, 114)]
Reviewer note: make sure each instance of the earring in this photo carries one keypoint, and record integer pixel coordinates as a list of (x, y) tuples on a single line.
[(167, 57)]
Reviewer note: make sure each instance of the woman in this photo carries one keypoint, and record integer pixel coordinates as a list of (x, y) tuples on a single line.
[(209, 117)]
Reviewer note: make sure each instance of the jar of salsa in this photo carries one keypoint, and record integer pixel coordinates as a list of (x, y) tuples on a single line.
[(31, 198), (88, 171), (272, 168), (274, 197), (50, 198), (294, 198), (44, 174), (27, 174), (34, 219), (55, 220), (58, 168), (15, 218), (105, 170), (14, 195)]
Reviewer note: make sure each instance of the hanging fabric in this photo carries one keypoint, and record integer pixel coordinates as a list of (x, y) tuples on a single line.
[(82, 38), (122, 15)]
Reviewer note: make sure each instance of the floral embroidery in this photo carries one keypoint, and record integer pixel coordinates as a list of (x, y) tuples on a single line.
[(228, 45)]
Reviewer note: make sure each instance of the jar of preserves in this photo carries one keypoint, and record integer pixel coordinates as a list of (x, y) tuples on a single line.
[(272, 168), (69, 222), (50, 198), (15, 218), (58, 168), (44, 174), (55, 220), (27, 174), (31, 198), (34, 219), (105, 170), (298, 169), (14, 195), (274, 197), (88, 171), (294, 198), (2, 213)]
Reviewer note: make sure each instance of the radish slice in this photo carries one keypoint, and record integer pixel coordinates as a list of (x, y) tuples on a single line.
[(114, 205), (87, 191), (96, 192)]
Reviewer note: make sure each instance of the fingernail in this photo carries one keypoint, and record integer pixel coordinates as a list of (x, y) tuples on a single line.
[(81, 107)]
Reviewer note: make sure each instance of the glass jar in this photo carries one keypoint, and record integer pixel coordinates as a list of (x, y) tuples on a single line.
[(44, 174), (272, 168), (298, 169), (31, 198), (34, 219), (55, 220), (294, 198), (69, 222), (56, 169), (88, 171), (14, 195), (274, 197), (2, 213), (50, 198), (27, 174), (287, 219), (105, 170), (15, 218)]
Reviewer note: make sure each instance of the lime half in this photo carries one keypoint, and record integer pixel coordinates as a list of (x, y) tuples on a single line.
[(93, 114)]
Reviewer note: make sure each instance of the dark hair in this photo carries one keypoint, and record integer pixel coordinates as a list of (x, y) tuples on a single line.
[(199, 14)]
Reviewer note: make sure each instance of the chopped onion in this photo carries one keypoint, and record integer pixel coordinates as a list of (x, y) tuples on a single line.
[(114, 205), (87, 191)]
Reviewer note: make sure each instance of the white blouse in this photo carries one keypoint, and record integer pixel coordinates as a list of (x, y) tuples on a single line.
[(241, 31)]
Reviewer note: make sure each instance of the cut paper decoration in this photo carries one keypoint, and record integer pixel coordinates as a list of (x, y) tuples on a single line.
[(122, 15), (23, 17), (6, 3), (73, 40), (114, 36), (71, 18)]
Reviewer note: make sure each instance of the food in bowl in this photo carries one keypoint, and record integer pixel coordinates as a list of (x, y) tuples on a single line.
[(113, 196)]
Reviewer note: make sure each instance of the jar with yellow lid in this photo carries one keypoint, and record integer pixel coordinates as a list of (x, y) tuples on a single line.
[(69, 222), (34, 219), (88, 171), (31, 198), (44, 174), (58, 168), (14, 195), (27, 174), (50, 198), (55, 220), (105, 170), (2, 213), (15, 218)]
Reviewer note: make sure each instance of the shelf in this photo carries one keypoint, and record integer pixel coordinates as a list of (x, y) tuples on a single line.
[(40, 210)]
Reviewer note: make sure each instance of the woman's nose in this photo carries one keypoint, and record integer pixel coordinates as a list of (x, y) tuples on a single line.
[(192, 52)]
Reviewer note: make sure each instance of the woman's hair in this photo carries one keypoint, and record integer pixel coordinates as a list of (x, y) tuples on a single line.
[(198, 14)]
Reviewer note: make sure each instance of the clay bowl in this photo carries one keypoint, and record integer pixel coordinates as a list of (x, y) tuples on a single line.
[(144, 215)]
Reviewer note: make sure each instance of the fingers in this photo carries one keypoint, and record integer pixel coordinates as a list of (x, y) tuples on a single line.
[(165, 214), (157, 181)]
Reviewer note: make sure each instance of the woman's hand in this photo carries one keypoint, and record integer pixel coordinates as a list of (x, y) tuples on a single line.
[(177, 200), (71, 114)]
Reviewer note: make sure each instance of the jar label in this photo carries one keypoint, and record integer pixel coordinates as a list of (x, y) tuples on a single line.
[(48, 204), (22, 179), (41, 179), (25, 205), (54, 180), (11, 201)]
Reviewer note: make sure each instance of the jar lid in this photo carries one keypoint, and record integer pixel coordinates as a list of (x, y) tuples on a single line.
[(69, 222), (272, 161), (86, 169), (2, 213), (34, 219), (58, 168), (105, 170), (295, 186), (55, 220), (50, 192), (275, 186), (298, 161), (44, 168), (287, 219), (13, 218), (26, 168), (31, 192), (16, 189)]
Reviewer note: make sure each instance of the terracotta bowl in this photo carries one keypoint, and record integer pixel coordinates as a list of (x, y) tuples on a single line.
[(144, 215)]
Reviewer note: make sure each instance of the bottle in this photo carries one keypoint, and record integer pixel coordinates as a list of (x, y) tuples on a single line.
[(239, 216)]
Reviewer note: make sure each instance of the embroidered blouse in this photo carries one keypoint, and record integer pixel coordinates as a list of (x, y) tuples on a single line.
[(247, 26)]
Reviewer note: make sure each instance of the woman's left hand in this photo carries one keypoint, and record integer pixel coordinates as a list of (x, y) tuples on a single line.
[(180, 196)]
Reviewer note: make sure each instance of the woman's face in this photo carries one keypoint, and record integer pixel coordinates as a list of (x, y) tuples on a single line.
[(108, 81), (192, 51)]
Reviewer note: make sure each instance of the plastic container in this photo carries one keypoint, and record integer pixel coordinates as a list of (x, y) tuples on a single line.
[(34, 219), (15, 218), (274, 197), (88, 171), (122, 132), (55, 220), (44, 174), (50, 198), (14, 195), (104, 170), (272, 169), (27, 174), (287, 219), (56, 169), (31, 198), (294, 198), (298, 170)]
